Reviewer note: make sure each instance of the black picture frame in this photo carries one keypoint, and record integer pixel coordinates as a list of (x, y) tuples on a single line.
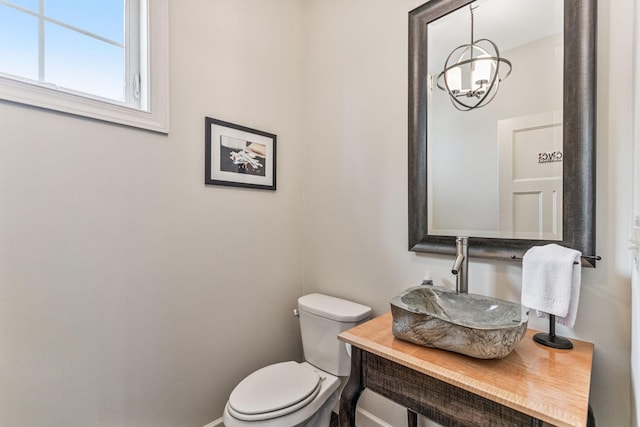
[(239, 156)]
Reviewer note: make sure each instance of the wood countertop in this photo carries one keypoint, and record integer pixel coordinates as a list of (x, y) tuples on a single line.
[(549, 384)]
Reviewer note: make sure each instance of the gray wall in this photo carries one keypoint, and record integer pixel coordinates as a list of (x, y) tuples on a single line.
[(130, 293), (133, 295), (355, 214)]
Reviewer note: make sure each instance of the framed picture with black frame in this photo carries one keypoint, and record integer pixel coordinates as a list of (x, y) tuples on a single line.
[(239, 156)]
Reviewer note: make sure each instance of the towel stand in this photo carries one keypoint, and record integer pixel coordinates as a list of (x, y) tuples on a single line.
[(594, 257), (551, 339)]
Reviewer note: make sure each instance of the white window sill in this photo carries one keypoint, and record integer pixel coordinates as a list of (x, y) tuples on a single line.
[(52, 99)]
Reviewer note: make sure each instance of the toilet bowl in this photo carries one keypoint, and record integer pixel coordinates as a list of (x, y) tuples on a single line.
[(293, 394)]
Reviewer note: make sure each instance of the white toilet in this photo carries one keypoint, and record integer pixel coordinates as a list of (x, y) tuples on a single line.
[(292, 394)]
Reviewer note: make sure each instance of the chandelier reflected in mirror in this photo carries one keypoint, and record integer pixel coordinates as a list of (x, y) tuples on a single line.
[(473, 72)]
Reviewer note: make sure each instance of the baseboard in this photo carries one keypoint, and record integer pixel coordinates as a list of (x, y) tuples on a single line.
[(367, 419), (216, 423)]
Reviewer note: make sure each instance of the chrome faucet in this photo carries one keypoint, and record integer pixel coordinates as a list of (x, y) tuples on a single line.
[(461, 265)]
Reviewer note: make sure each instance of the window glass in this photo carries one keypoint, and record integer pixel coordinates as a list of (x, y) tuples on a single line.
[(73, 55), (104, 18), (27, 4), (77, 45), (91, 66), (18, 43)]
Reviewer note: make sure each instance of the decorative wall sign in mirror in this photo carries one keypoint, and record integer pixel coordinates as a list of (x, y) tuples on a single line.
[(519, 170)]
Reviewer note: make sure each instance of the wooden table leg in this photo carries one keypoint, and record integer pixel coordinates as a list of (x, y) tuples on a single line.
[(412, 418), (352, 390)]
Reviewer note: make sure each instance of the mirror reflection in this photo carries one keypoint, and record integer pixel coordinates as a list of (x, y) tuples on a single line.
[(496, 170)]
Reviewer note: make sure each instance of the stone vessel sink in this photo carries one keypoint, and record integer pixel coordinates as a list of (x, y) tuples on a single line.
[(475, 325)]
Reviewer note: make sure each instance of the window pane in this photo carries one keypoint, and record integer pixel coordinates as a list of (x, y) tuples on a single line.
[(82, 63), (92, 68), (18, 43), (27, 4), (104, 17)]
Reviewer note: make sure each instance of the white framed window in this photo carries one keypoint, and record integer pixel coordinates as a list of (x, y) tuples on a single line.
[(107, 59)]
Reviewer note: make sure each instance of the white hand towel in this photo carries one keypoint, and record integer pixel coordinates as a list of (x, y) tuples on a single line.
[(551, 281)]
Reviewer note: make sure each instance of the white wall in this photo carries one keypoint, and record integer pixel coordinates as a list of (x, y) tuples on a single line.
[(130, 293), (635, 284), (355, 217), (133, 295)]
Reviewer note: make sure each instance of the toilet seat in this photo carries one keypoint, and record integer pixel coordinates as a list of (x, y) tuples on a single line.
[(306, 416), (274, 391)]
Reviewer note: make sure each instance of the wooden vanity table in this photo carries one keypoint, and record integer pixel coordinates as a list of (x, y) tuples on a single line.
[(533, 386)]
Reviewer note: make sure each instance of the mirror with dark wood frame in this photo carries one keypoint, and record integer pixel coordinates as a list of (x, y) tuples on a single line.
[(578, 137)]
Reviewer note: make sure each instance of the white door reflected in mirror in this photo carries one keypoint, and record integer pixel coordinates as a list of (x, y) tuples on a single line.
[(530, 177)]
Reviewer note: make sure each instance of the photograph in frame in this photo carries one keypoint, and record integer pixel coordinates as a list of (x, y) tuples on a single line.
[(239, 156)]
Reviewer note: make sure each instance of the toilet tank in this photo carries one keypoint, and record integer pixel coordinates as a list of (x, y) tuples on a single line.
[(322, 318)]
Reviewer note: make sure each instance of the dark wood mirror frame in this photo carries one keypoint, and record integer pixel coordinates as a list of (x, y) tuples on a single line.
[(579, 132)]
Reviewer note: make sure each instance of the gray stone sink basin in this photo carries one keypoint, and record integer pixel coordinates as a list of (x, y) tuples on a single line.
[(475, 325)]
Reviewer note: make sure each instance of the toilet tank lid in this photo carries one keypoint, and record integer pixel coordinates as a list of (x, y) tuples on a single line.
[(334, 308)]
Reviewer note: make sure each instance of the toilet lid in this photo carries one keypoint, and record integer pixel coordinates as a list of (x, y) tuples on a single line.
[(274, 390)]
